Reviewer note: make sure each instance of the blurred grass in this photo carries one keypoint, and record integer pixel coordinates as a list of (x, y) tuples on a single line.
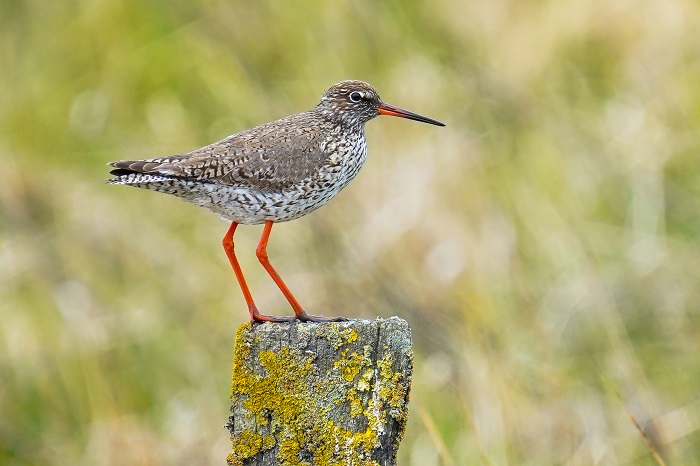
[(544, 246)]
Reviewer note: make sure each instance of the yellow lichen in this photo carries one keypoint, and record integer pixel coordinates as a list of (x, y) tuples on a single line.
[(350, 335), (233, 460), (289, 452), (293, 400), (364, 384), (247, 444), (349, 366), (355, 407), (384, 365)]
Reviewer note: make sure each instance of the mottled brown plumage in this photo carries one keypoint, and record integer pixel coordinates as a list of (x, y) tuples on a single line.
[(274, 172)]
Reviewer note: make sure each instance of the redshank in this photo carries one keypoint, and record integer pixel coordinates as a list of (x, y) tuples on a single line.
[(271, 173)]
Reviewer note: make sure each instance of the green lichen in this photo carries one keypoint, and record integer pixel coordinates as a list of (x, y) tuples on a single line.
[(293, 405)]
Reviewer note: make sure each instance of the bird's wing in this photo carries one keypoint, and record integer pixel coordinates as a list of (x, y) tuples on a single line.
[(270, 156)]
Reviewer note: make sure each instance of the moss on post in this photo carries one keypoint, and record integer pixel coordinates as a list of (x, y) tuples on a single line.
[(320, 393)]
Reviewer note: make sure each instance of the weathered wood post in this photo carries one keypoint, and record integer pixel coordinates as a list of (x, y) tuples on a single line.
[(320, 393)]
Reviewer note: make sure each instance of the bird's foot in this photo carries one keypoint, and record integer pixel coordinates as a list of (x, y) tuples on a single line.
[(304, 317), (255, 316)]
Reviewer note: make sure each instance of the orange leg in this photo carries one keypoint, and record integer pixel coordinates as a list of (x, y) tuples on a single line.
[(255, 316), (299, 312)]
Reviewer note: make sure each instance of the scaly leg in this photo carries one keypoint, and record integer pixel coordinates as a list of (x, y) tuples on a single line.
[(299, 312), (255, 316)]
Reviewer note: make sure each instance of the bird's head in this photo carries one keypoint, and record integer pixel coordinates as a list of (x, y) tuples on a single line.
[(356, 102)]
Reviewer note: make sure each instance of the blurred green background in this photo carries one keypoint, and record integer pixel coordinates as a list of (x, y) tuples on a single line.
[(544, 246)]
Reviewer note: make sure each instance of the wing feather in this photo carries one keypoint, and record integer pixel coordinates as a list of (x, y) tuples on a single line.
[(270, 156)]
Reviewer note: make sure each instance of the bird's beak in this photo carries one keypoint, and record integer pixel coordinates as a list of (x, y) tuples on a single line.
[(386, 109)]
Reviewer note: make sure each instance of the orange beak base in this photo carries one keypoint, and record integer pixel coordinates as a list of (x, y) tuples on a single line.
[(390, 110)]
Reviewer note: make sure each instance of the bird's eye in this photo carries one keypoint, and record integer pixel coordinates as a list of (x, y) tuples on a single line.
[(355, 96)]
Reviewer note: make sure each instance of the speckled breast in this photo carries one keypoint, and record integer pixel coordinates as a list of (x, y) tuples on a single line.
[(251, 206)]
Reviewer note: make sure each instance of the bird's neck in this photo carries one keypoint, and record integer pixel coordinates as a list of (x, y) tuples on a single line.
[(345, 121)]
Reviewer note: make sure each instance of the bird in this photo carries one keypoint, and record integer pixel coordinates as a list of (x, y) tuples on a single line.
[(271, 173)]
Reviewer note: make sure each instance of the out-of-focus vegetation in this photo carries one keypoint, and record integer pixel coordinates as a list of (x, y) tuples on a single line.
[(544, 246)]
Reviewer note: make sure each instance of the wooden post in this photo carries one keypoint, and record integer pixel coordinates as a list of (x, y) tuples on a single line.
[(320, 393)]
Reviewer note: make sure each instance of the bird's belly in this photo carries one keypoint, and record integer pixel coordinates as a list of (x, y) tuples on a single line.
[(248, 206), (252, 206)]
